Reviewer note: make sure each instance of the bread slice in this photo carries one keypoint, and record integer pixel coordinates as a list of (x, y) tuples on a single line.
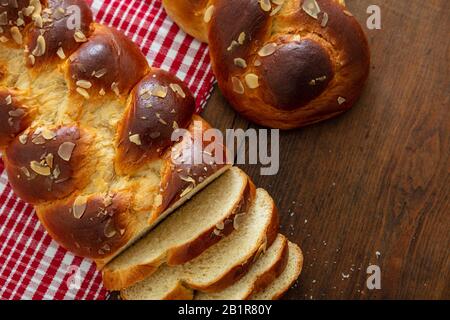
[(207, 218), (290, 274), (220, 265), (263, 272)]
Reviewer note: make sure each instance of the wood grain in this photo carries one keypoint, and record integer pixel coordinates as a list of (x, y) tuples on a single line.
[(376, 179)]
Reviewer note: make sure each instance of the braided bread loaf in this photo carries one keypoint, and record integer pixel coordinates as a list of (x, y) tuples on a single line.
[(280, 63), (86, 126)]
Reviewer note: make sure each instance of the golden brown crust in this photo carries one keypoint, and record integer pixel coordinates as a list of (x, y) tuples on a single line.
[(14, 118), (59, 131), (58, 30), (181, 173), (118, 279), (90, 226), (273, 272), (159, 105), (48, 163), (104, 60), (237, 272), (184, 253), (189, 14), (311, 68)]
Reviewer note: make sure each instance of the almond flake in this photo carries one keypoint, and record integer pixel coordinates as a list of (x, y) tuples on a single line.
[(109, 230), (159, 91), (239, 62), (177, 89), (65, 150), (83, 92), (16, 35), (79, 36), (241, 38), (252, 80), (267, 50), (311, 7), (100, 73), (23, 138), (136, 139), (84, 84), (39, 168), (341, 100), (8, 99), (79, 206), (40, 48), (324, 22), (48, 134), (208, 14), (238, 87), (61, 53), (265, 5), (49, 160), (233, 45)]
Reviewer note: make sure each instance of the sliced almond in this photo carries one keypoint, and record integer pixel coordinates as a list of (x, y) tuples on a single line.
[(252, 80), (16, 113), (159, 91), (208, 14), (23, 138), (49, 159), (233, 45), (267, 50), (39, 168), (265, 5), (241, 38), (65, 150), (48, 134), (109, 230), (84, 84), (241, 63), (83, 92), (136, 139), (115, 88), (8, 99), (100, 73), (324, 22), (238, 87), (40, 48), (79, 36), (16, 35), (79, 206), (311, 7), (341, 100), (61, 53), (32, 59), (177, 89)]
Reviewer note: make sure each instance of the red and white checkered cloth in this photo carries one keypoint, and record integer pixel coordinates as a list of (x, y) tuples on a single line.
[(32, 265)]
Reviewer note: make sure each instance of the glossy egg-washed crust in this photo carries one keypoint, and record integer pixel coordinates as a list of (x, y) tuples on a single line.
[(317, 69), (85, 176)]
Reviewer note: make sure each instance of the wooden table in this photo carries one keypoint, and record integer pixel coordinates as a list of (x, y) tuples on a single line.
[(375, 180)]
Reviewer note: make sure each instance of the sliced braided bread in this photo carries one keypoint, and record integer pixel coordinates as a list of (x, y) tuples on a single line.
[(86, 128), (219, 266), (263, 272), (286, 279), (207, 218), (281, 63)]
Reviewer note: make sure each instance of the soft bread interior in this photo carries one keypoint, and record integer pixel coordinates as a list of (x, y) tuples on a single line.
[(266, 268), (287, 278), (202, 217), (218, 262)]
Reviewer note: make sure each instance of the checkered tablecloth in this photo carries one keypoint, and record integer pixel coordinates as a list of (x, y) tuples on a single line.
[(32, 265)]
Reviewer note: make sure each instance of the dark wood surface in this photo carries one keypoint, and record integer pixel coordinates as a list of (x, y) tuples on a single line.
[(377, 178)]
